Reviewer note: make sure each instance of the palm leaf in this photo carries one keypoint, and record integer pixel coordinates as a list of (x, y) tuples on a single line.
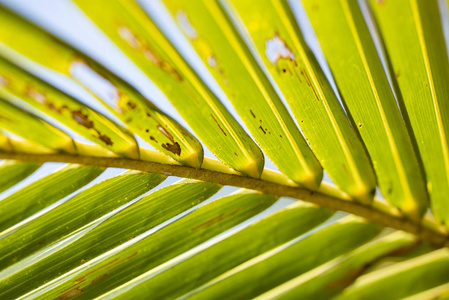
[(85, 230)]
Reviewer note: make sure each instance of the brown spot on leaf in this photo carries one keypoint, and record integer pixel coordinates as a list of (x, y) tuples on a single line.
[(254, 116), (235, 153), (215, 220), (218, 125), (132, 105), (166, 133), (82, 119), (99, 277), (261, 128), (3, 81), (174, 148), (153, 139), (70, 294), (276, 48), (397, 74), (105, 139)]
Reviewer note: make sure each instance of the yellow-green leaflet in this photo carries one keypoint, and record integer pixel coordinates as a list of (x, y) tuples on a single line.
[(136, 35), (278, 40), (414, 39), (12, 171), (352, 57), (230, 61), (329, 279), (5, 144), (18, 85), (34, 129), (403, 279), (19, 37)]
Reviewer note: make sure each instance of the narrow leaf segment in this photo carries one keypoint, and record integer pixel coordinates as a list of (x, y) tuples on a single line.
[(274, 32), (417, 52), (232, 64), (127, 25), (355, 64), (20, 38)]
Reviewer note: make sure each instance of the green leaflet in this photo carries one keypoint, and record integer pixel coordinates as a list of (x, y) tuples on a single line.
[(352, 57), (102, 235), (19, 85), (179, 278), (146, 120), (272, 269), (44, 192), (20, 241), (278, 40), (136, 35), (404, 279), (150, 250), (230, 61), (417, 52), (331, 278), (34, 129), (440, 292), (12, 172)]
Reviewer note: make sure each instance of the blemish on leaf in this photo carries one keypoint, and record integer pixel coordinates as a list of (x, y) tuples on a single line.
[(105, 139), (360, 125), (185, 24), (397, 74), (39, 97), (132, 105), (128, 36), (150, 55), (236, 154), (261, 128), (275, 49), (309, 83), (218, 125), (173, 148), (166, 133), (70, 294), (215, 220), (254, 116), (82, 119), (3, 81)]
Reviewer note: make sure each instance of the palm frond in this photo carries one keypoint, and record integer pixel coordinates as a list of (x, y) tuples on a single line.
[(80, 232)]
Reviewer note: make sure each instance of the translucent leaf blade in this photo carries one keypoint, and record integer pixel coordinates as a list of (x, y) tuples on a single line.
[(12, 172), (413, 37), (34, 129), (350, 52), (148, 251), (21, 240), (105, 233), (181, 277), (331, 278), (49, 189), (216, 40), (278, 40), (127, 25), (20, 38), (271, 270), (403, 279), (19, 85)]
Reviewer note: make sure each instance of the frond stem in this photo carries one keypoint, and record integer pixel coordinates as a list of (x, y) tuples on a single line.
[(318, 197)]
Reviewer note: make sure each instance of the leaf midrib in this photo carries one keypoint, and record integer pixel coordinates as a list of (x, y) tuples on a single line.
[(319, 198)]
